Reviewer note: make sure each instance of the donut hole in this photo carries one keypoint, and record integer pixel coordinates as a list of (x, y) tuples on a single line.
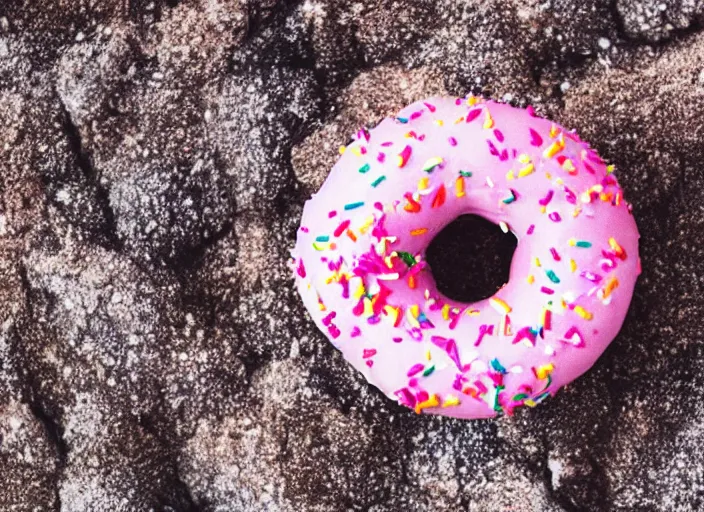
[(471, 258)]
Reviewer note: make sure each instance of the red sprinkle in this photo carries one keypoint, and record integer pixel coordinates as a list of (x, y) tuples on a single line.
[(342, 227)]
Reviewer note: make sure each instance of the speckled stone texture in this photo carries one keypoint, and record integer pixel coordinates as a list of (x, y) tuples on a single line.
[(154, 160)]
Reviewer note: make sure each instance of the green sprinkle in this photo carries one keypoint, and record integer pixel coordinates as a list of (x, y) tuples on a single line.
[(407, 258), (352, 206), (365, 168), (496, 365), (552, 276), (466, 174), (499, 389), (428, 371), (519, 397), (377, 181), (323, 238), (584, 244)]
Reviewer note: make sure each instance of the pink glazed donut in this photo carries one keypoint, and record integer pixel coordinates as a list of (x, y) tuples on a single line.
[(360, 268)]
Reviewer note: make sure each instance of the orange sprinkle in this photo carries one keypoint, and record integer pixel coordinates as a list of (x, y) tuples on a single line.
[(433, 401), (554, 131), (419, 231), (617, 248), (351, 235), (553, 149), (458, 121), (543, 371), (610, 287), (412, 281)]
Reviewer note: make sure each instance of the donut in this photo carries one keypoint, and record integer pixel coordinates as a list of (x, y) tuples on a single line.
[(359, 258)]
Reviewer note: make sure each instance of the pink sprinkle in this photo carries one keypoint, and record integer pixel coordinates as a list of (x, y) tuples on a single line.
[(458, 101), (413, 382), (453, 141), (342, 227), (301, 269), (356, 331), (504, 155), (492, 148), (499, 136), (459, 379), (422, 396), (535, 138), (589, 168), (369, 363), (484, 330), (405, 397), (530, 110), (554, 253), (570, 335), (555, 217), (415, 369), (480, 386), (430, 107), (531, 229), (387, 144), (453, 353), (570, 196), (473, 114), (397, 339), (381, 157), (304, 229), (334, 332), (546, 200), (372, 320), (546, 290), (379, 206), (332, 214), (369, 352), (439, 341), (594, 278), (524, 333), (327, 320), (363, 150), (416, 115)]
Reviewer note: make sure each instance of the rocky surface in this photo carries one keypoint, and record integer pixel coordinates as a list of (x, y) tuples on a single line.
[(154, 159)]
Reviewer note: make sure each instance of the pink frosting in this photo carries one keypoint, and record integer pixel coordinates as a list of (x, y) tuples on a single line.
[(359, 257)]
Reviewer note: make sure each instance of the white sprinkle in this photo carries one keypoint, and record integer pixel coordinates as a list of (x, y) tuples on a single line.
[(604, 43)]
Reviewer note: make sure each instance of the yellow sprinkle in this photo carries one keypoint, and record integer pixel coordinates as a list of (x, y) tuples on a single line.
[(573, 266), (367, 224), (356, 151), (536, 261), (529, 402), (563, 303), (471, 101), (524, 158), (428, 355), (583, 313), (439, 122), (473, 312), (342, 150), (576, 212), (500, 306), (459, 187), (446, 312), (559, 181), (554, 130), (530, 279), (433, 401), (451, 401), (615, 246), (392, 313), (548, 175), (610, 168), (543, 209), (527, 170), (419, 231), (572, 242), (415, 310), (569, 166), (488, 121), (543, 371), (553, 149), (423, 183), (459, 120), (510, 175)]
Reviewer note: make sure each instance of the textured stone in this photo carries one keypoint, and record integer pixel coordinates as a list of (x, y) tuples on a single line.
[(154, 161)]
